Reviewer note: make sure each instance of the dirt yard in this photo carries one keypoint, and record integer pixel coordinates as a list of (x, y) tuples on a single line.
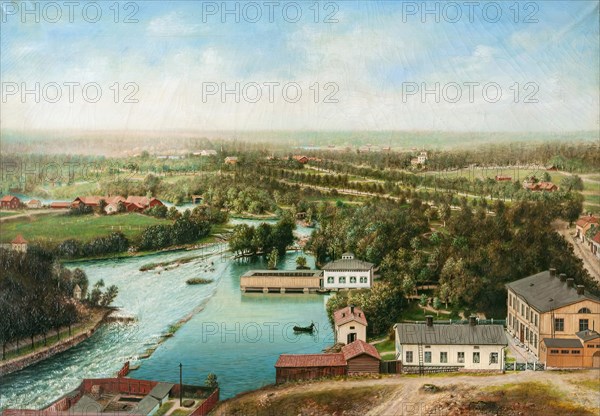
[(524, 393)]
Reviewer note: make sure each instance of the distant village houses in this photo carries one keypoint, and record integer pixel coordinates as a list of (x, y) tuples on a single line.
[(531, 184), (421, 159), (10, 202), (583, 225), (301, 159), (130, 204), (19, 244), (231, 160), (503, 178)]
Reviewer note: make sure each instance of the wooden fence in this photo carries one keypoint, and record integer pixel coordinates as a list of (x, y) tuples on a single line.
[(390, 367), (206, 407)]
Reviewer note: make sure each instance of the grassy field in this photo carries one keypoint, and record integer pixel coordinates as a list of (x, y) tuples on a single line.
[(58, 227), (9, 213)]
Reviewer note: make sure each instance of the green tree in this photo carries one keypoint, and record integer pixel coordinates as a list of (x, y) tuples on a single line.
[(272, 259), (211, 381), (301, 262)]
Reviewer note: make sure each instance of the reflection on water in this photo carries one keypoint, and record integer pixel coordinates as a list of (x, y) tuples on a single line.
[(236, 336)]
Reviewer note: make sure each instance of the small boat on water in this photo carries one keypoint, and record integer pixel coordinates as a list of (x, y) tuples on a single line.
[(308, 329)]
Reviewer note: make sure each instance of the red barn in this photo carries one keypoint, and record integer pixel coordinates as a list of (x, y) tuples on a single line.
[(362, 358), (291, 367), (10, 202)]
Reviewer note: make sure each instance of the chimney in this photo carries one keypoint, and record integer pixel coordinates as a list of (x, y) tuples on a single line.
[(552, 272), (580, 289), (429, 320), (563, 277), (472, 320), (352, 309), (570, 282)]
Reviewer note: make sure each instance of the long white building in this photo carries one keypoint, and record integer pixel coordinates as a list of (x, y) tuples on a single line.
[(471, 347), (348, 273)]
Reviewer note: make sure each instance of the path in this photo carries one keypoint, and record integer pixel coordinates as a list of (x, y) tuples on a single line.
[(590, 262), (33, 213)]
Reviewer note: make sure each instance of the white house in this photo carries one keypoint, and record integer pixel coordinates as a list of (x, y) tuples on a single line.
[(350, 324), (471, 347), (347, 273)]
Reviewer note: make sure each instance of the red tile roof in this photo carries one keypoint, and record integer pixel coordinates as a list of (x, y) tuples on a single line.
[(359, 347), (583, 221), (596, 238), (8, 198), (342, 316), (311, 360), (60, 205), (19, 240)]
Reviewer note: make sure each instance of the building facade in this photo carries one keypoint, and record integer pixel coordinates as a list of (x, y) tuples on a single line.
[(461, 347), (548, 305), (350, 324), (347, 273), (10, 202)]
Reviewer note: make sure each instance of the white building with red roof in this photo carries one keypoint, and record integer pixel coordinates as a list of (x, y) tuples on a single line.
[(583, 224), (19, 244), (350, 324)]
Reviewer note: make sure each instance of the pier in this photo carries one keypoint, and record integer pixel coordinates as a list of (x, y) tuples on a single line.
[(282, 281)]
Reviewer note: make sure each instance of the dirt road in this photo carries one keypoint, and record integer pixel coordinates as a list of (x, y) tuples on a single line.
[(590, 262)]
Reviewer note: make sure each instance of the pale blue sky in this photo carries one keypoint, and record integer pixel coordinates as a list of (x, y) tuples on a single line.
[(373, 50)]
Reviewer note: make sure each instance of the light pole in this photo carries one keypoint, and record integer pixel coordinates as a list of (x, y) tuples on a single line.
[(180, 384)]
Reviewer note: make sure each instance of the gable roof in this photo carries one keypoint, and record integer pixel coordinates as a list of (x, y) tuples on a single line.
[(359, 347), (342, 316), (450, 334), (146, 405), (161, 390), (34, 201), (19, 240), (562, 343), (311, 360), (545, 292), (348, 265), (588, 219), (8, 198), (596, 238)]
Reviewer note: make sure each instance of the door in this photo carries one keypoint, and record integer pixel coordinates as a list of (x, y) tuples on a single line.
[(351, 337), (522, 333), (596, 360)]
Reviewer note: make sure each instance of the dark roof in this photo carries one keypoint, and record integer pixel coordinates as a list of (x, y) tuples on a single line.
[(146, 405), (311, 360), (359, 347), (588, 335), (86, 405), (562, 343), (342, 316), (161, 390), (449, 334), (348, 264), (545, 292)]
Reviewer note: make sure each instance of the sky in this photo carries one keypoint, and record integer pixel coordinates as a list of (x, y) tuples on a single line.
[(276, 65)]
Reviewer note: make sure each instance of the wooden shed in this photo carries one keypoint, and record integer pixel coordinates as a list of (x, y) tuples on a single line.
[(562, 353), (361, 358), (291, 367)]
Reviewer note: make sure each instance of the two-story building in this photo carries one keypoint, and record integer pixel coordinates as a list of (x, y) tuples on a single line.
[(549, 306), (348, 273), (430, 347)]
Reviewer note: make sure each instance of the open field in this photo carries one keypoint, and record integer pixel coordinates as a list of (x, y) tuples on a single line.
[(517, 393), (58, 227)]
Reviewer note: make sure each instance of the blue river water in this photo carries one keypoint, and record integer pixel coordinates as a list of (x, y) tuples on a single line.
[(236, 336)]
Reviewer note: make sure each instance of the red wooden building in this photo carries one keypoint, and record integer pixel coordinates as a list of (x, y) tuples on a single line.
[(10, 202)]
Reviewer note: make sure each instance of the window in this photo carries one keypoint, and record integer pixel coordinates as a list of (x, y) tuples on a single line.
[(509, 300), (353, 279), (535, 340), (526, 334), (460, 357), (564, 351), (330, 280), (409, 356), (363, 280), (584, 310), (553, 351), (583, 324), (342, 279), (351, 327), (427, 356), (522, 310), (575, 351), (494, 358), (527, 314), (475, 358), (559, 324), (443, 357), (535, 320)]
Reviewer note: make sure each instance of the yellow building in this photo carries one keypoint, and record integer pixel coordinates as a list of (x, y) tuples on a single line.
[(548, 309)]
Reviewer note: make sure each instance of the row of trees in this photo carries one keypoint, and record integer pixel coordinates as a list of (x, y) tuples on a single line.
[(263, 239), (113, 243), (36, 295)]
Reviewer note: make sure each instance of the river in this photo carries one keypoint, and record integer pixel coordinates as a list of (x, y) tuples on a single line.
[(236, 336)]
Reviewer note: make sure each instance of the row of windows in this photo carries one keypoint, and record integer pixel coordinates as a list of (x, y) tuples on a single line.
[(460, 357), (559, 324), (342, 279), (564, 352)]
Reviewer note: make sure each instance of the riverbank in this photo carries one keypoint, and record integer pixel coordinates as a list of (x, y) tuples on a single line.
[(82, 333)]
